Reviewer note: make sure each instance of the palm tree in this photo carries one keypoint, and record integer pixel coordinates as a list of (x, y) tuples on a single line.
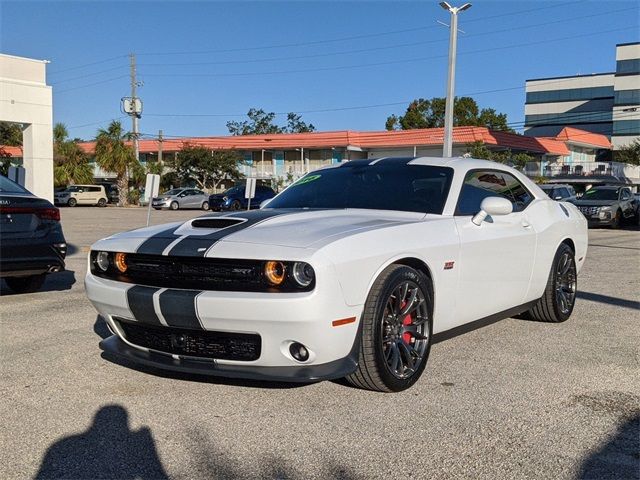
[(114, 155), (71, 164)]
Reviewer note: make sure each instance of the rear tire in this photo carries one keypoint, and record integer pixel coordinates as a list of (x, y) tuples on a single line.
[(205, 205), (25, 284), (174, 206), (558, 299), (102, 202), (72, 202), (396, 331)]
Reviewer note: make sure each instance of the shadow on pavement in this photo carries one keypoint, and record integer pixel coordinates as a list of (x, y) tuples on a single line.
[(108, 449), (618, 302), (100, 328), (55, 282), (619, 457)]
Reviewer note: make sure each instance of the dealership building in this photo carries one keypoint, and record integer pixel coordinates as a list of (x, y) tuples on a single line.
[(602, 103)]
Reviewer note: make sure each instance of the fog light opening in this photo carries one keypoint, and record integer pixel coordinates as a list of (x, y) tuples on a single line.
[(299, 352)]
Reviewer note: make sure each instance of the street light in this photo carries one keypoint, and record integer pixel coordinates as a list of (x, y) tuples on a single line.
[(447, 148)]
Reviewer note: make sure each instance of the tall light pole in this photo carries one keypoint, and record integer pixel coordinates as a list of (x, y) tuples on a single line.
[(447, 148)]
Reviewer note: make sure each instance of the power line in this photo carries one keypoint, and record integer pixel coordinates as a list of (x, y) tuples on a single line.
[(97, 123), (387, 47), (342, 39), (378, 64), (70, 79), (91, 84), (55, 72)]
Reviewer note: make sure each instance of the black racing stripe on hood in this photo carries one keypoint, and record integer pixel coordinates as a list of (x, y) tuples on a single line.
[(156, 244), (140, 300), (197, 245), (178, 308)]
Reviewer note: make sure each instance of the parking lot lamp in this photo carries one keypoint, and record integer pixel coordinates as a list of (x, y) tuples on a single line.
[(447, 148)]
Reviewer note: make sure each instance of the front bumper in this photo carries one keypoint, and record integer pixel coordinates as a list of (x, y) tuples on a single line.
[(278, 318), (161, 203)]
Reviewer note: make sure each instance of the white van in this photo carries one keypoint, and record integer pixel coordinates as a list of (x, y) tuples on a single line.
[(81, 195)]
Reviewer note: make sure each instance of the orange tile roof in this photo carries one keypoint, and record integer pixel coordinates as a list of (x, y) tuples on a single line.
[(11, 151), (575, 135), (370, 139)]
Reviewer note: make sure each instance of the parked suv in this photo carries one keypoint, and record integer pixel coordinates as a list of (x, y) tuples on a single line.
[(607, 205), (559, 191), (233, 198), (181, 198), (82, 195)]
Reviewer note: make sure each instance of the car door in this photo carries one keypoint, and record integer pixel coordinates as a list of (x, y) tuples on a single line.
[(496, 258), (189, 198)]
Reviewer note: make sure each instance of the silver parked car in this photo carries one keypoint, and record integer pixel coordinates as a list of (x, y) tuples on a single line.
[(181, 198)]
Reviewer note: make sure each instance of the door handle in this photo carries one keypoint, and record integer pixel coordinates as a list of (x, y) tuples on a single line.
[(525, 223)]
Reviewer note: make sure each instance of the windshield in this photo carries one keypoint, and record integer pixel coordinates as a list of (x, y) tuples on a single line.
[(600, 194), (7, 186), (175, 191), (384, 186), (233, 191)]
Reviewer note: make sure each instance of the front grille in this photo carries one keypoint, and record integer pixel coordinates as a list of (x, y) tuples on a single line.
[(197, 273), (589, 210), (194, 343)]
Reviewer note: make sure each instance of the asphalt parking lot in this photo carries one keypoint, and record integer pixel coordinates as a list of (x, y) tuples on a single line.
[(517, 399)]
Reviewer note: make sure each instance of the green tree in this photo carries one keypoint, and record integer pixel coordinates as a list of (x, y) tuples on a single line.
[(10, 134), (207, 168), (424, 113), (261, 122), (70, 163), (480, 151), (628, 153), (113, 155)]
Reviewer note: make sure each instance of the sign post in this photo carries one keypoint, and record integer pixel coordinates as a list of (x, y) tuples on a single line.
[(250, 191), (151, 189)]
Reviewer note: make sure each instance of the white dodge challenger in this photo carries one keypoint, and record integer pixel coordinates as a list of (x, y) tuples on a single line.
[(353, 271)]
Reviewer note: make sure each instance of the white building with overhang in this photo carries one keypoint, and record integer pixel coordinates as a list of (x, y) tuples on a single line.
[(26, 100)]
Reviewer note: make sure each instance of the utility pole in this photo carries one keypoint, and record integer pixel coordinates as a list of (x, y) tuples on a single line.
[(160, 140), (447, 147), (135, 114)]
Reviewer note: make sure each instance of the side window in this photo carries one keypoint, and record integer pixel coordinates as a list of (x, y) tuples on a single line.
[(479, 185), (626, 194), (564, 193), (95, 189)]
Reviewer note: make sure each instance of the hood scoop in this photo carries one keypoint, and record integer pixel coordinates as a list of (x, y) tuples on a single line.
[(217, 223)]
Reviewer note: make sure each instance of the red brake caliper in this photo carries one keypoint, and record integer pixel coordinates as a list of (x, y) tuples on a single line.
[(406, 336)]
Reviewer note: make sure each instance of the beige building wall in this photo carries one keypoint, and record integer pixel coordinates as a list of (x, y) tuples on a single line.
[(25, 98)]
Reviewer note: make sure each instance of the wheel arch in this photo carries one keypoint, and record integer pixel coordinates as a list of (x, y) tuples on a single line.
[(570, 243)]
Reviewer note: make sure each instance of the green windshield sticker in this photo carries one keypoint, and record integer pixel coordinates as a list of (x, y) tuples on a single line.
[(307, 179)]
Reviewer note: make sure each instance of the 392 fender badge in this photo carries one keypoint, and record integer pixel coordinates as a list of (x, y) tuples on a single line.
[(448, 265)]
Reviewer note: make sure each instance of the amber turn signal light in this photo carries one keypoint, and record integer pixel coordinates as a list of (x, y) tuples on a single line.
[(120, 261), (275, 272)]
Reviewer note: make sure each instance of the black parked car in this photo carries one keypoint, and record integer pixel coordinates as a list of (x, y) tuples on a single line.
[(233, 198), (31, 240)]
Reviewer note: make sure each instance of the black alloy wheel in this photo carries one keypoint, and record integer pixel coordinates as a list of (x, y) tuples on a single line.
[(396, 331), (559, 297)]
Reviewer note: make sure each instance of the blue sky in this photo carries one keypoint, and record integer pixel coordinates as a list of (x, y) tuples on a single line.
[(211, 61)]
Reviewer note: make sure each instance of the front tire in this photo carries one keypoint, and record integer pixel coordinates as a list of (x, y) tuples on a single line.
[(72, 202), (617, 220), (25, 284), (559, 297), (205, 205), (396, 331), (174, 206), (236, 205)]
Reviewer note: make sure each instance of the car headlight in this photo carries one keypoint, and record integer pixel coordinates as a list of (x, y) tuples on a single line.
[(103, 261), (303, 274), (275, 272), (120, 261)]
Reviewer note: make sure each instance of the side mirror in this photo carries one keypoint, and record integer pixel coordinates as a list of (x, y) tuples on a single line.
[(265, 202), (492, 206)]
